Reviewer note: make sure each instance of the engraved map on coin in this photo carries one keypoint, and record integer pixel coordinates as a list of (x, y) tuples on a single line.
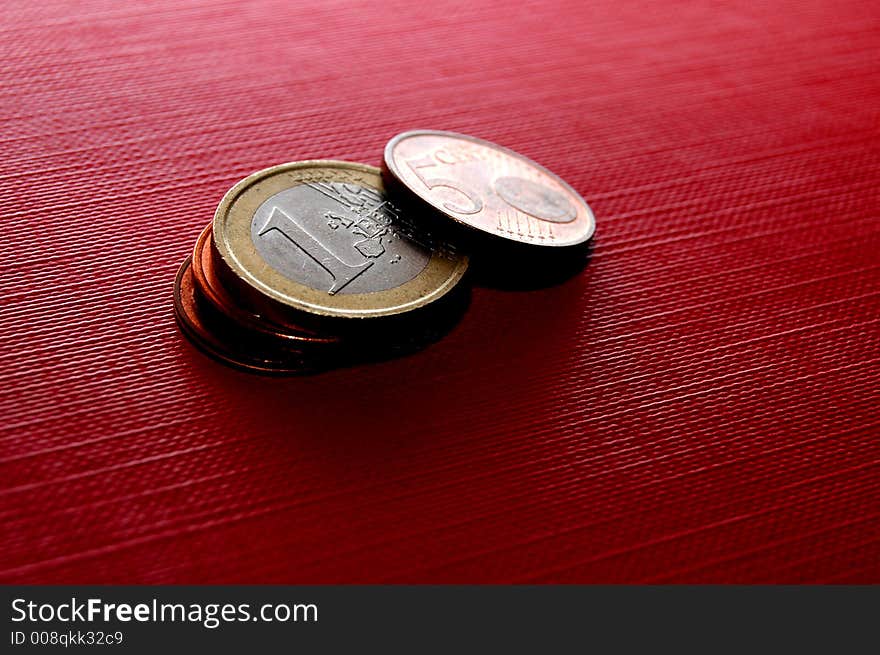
[(535, 199), (336, 237)]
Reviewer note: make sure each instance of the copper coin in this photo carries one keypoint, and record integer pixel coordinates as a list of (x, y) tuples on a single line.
[(485, 187), (214, 292), (224, 342), (321, 238)]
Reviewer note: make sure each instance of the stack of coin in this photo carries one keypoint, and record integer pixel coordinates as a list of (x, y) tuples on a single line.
[(310, 265)]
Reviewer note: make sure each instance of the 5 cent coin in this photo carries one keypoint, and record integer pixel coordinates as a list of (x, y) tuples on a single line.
[(485, 187)]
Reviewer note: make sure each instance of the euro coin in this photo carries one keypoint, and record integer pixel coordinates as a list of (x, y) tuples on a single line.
[(320, 239), (487, 190)]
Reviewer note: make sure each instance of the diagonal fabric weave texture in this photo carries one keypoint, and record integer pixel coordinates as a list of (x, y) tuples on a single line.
[(698, 405)]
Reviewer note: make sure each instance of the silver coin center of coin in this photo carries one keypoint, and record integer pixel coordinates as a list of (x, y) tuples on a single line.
[(535, 199), (336, 237)]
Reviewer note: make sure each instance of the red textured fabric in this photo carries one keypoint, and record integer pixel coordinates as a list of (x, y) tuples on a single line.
[(700, 404)]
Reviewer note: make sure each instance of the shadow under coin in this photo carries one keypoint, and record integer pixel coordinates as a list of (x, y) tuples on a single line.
[(527, 268), (385, 339)]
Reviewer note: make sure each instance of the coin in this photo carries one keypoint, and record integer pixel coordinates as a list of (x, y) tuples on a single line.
[(205, 280), (223, 340), (262, 348), (321, 239), (485, 187)]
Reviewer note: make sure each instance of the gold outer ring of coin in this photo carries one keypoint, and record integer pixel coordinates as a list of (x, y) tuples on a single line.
[(213, 292), (470, 195), (240, 266), (193, 324)]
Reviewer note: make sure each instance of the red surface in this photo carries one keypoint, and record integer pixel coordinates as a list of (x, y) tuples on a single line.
[(700, 404)]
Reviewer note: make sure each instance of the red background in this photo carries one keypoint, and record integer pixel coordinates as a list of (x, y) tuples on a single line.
[(700, 404)]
